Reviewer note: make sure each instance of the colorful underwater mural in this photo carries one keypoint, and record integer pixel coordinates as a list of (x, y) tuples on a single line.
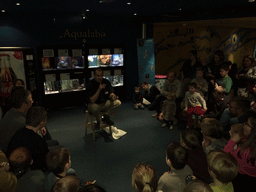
[(173, 43)]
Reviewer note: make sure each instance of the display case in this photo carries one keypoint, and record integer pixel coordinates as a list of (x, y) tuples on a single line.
[(67, 69), (112, 62)]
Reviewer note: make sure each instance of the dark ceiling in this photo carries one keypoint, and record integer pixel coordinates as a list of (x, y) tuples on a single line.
[(146, 10)]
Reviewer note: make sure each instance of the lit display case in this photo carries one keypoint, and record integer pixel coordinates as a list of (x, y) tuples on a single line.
[(66, 69)]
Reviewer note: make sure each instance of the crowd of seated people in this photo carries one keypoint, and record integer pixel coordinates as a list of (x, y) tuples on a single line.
[(219, 106), (28, 160), (215, 155)]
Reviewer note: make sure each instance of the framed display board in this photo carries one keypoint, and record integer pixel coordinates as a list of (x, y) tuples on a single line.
[(66, 69)]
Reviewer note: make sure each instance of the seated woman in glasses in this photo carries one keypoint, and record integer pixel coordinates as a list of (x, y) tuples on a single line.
[(243, 147)]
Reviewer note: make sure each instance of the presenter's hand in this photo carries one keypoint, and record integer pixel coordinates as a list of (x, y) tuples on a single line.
[(43, 131), (102, 86), (112, 96)]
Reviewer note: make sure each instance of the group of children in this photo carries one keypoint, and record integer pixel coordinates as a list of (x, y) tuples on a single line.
[(196, 98), (58, 177), (190, 169)]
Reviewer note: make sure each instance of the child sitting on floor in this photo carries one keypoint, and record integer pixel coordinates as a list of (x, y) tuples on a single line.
[(137, 99), (226, 82), (169, 111), (202, 85), (216, 106), (194, 103)]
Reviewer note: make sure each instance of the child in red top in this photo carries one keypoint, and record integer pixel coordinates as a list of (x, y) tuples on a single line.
[(194, 103)]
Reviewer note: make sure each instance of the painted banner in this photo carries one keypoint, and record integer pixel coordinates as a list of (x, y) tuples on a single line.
[(12, 68), (146, 60)]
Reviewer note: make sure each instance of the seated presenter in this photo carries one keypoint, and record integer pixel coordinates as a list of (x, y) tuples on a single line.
[(102, 99)]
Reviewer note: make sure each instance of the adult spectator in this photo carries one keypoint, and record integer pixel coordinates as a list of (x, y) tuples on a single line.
[(171, 85), (243, 148), (28, 180), (102, 98), (21, 101), (188, 71), (247, 77), (237, 112), (29, 138), (19, 83), (213, 70), (151, 92)]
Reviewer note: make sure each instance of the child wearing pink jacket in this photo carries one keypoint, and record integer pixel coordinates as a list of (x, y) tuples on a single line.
[(243, 148)]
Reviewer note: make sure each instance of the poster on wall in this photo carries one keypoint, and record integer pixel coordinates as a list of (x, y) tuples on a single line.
[(12, 68), (48, 53), (65, 76), (93, 51), (50, 77), (117, 50), (106, 51), (76, 52), (146, 60), (63, 52)]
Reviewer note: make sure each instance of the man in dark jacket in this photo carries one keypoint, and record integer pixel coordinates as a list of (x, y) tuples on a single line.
[(103, 100)]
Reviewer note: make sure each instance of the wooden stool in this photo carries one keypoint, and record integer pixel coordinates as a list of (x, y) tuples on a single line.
[(89, 124)]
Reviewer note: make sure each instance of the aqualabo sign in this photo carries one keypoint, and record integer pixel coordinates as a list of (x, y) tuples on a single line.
[(83, 34)]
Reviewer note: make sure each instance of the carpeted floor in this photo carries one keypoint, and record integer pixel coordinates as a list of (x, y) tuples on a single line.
[(110, 162)]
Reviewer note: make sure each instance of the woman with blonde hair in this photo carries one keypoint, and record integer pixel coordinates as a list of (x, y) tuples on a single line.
[(144, 178)]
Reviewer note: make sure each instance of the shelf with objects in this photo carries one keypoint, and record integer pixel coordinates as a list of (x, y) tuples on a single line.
[(66, 69), (62, 75), (111, 61)]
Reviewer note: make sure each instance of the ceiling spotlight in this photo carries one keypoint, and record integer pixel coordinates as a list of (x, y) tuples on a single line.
[(84, 17), (129, 3), (3, 11), (135, 13), (17, 3), (180, 9), (87, 10)]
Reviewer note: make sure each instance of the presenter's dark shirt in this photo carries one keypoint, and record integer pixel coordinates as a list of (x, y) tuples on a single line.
[(93, 86), (35, 143)]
